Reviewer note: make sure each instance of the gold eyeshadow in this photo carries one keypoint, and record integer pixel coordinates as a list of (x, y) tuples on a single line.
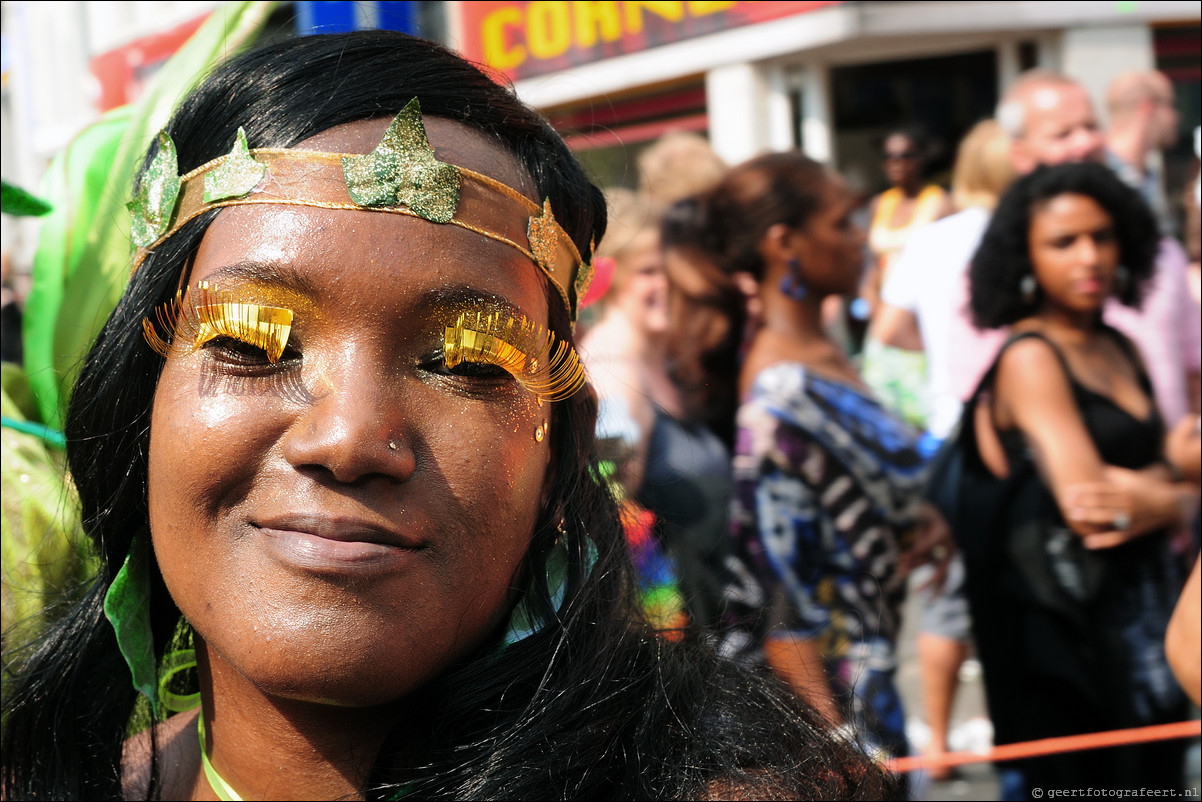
[(198, 316), (484, 332)]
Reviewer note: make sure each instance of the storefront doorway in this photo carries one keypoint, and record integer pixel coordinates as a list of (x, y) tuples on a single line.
[(942, 95)]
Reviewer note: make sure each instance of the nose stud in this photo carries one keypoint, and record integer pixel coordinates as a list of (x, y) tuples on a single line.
[(391, 446)]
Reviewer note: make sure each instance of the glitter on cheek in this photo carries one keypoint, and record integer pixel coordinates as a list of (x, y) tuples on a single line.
[(218, 411)]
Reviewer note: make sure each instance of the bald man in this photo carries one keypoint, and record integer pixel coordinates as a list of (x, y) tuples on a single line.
[(1143, 120), (1050, 120)]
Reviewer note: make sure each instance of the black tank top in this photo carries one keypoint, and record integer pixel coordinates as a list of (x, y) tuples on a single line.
[(1122, 439)]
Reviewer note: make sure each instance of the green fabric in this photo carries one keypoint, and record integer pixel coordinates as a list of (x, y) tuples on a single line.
[(127, 607), (77, 184), (898, 379), (44, 551), (84, 253)]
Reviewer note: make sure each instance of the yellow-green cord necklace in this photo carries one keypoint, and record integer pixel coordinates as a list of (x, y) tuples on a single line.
[(216, 781)]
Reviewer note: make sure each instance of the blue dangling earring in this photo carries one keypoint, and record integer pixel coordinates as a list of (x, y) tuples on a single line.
[(793, 285)]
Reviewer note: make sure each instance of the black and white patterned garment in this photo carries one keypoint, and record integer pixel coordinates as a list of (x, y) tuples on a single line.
[(827, 484)]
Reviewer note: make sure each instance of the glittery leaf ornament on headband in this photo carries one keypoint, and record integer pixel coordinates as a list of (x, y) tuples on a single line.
[(584, 275), (402, 171), (236, 176), (154, 205), (543, 236)]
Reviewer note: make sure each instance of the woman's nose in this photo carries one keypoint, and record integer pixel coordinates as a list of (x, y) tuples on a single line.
[(353, 429), (1087, 250)]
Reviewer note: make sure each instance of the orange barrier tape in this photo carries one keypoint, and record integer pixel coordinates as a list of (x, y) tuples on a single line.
[(1051, 746)]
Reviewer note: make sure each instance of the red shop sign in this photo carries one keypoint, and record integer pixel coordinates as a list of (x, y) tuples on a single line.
[(522, 39)]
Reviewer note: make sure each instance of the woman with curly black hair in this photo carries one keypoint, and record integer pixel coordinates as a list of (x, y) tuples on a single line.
[(1072, 585), (334, 450)]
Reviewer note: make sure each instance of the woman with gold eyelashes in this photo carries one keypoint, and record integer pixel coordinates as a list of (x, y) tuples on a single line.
[(335, 455)]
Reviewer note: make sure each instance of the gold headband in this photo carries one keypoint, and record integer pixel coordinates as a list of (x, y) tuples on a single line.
[(401, 176)]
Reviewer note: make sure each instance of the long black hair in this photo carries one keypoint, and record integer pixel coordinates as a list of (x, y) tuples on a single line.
[(1004, 256), (592, 705)]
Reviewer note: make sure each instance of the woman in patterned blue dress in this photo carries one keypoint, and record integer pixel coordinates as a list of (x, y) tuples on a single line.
[(828, 482)]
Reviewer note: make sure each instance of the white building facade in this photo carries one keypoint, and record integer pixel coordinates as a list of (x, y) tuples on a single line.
[(826, 77)]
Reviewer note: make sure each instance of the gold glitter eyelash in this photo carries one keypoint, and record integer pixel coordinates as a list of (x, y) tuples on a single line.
[(543, 364), (211, 314)]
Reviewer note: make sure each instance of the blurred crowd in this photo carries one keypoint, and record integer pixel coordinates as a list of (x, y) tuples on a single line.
[(987, 392)]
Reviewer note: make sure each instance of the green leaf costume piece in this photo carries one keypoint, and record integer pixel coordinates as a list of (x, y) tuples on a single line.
[(19, 203), (402, 171), (153, 208), (127, 607), (236, 176), (83, 258), (45, 552)]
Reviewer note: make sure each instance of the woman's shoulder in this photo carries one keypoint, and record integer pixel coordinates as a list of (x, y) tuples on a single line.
[(176, 746), (801, 395), (1029, 355)]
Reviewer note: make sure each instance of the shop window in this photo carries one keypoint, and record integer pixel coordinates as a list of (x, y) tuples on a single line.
[(1028, 55), (943, 96)]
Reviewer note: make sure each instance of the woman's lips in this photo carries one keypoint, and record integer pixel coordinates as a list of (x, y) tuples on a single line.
[(335, 545)]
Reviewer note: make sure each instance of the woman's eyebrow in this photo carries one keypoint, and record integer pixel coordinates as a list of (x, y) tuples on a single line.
[(260, 274), (463, 297)]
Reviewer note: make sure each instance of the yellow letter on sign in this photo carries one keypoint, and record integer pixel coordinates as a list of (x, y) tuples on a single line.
[(593, 15), (497, 52), (701, 8), (548, 29)]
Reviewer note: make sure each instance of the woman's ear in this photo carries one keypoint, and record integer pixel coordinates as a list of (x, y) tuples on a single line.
[(779, 244)]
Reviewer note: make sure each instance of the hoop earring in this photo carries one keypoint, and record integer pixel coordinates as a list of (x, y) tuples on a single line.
[(793, 285), (1028, 287)]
